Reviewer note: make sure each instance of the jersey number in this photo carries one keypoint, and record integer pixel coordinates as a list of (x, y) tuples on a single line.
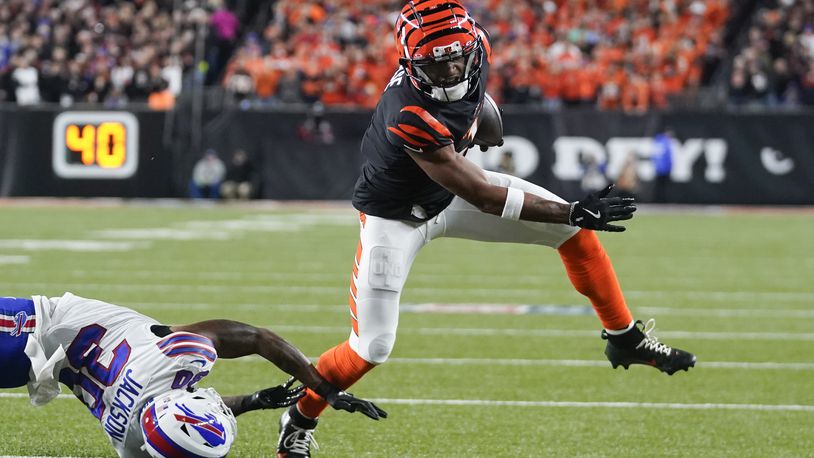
[(186, 380), (84, 353)]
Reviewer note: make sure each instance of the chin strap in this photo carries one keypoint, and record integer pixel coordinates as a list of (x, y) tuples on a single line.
[(451, 94)]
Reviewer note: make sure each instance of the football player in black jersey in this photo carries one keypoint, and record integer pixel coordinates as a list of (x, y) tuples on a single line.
[(416, 186)]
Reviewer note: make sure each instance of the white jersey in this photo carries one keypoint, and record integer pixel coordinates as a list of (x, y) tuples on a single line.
[(115, 364)]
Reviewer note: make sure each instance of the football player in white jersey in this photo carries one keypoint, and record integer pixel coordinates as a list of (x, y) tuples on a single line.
[(138, 377)]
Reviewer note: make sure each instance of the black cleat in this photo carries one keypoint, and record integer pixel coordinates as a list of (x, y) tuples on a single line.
[(649, 351), (296, 435)]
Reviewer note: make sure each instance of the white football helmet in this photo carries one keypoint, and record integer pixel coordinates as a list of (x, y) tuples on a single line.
[(183, 423)]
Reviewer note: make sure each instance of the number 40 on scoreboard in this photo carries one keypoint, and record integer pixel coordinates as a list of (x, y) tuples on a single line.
[(95, 144)]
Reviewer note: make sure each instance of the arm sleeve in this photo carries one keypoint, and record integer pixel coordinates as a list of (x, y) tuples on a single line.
[(417, 130)]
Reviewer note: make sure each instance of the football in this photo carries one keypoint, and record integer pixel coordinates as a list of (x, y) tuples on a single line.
[(490, 125)]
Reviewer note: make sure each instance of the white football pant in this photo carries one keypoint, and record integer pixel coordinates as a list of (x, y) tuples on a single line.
[(388, 247)]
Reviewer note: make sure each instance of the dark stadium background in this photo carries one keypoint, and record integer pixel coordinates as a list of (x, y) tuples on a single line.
[(585, 84)]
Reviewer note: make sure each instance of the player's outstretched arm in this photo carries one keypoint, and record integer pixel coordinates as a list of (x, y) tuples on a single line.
[(468, 181), (233, 339)]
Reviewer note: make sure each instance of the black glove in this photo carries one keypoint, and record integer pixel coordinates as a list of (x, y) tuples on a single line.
[(341, 400), (596, 211), (274, 397)]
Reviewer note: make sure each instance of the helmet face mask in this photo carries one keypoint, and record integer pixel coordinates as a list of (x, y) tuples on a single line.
[(439, 48), (188, 423)]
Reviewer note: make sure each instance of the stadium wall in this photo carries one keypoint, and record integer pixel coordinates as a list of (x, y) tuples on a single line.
[(728, 158)]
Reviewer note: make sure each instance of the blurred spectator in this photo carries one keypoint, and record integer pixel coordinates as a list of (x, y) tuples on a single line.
[(807, 86), (507, 164), (207, 176), (225, 26), (240, 84), (240, 180), (663, 164), (593, 174), (161, 99), (52, 83), (25, 80), (627, 184), (316, 128)]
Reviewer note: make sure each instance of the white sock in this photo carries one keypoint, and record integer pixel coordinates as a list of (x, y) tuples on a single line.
[(618, 332)]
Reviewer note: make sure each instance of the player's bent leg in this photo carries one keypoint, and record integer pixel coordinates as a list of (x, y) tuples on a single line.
[(590, 270), (588, 266)]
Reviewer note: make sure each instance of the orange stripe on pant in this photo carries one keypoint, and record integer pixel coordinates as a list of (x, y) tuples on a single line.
[(354, 278), (352, 304)]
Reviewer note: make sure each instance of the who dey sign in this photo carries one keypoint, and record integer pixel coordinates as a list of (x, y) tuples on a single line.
[(569, 152)]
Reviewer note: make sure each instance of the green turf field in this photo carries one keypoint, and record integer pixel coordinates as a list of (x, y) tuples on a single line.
[(735, 288)]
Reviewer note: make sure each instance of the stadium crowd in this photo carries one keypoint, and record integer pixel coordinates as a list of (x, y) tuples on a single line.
[(85, 51), (613, 54), (630, 54), (776, 65)]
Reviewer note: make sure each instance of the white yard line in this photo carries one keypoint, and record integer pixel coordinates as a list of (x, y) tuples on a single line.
[(595, 363), (11, 259), (598, 404), (24, 395), (705, 296), (744, 365), (264, 272), (71, 245), (717, 335), (493, 308), (575, 404)]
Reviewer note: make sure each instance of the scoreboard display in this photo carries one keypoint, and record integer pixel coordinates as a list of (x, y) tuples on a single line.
[(95, 145)]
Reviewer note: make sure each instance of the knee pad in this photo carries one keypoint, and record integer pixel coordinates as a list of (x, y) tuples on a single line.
[(379, 348)]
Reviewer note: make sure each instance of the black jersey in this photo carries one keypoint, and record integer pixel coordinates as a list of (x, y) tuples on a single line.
[(391, 184)]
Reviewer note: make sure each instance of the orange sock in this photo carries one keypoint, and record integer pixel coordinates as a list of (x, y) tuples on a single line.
[(591, 273), (341, 366)]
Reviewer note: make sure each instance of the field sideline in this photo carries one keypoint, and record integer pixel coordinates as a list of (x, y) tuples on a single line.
[(496, 354)]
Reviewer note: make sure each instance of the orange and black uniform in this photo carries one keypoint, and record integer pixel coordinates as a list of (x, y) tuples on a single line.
[(391, 183)]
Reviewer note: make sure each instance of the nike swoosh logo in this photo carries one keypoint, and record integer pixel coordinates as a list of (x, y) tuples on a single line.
[(596, 215), (415, 150)]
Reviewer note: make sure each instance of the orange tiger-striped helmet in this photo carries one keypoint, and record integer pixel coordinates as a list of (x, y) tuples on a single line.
[(431, 32)]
